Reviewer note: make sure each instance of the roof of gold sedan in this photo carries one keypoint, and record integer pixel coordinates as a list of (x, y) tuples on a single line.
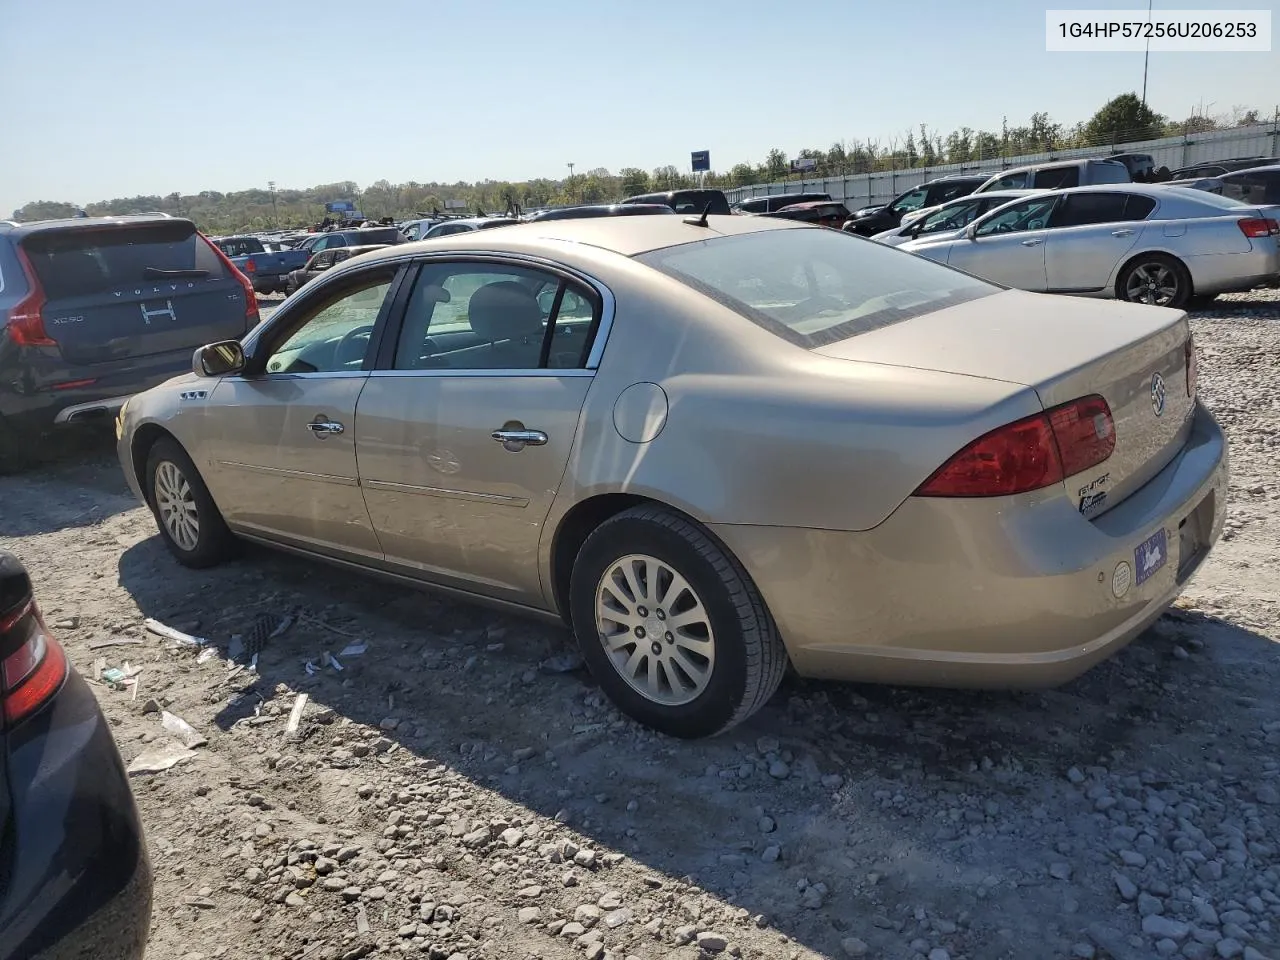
[(628, 236)]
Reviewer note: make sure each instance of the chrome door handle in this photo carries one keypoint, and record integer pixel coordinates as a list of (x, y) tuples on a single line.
[(1034, 242), (323, 429), (1122, 233), (515, 439)]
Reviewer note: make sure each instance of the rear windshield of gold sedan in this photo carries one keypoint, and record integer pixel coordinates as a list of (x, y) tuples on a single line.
[(816, 286)]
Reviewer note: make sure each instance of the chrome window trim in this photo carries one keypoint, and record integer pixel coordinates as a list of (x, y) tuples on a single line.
[(480, 372), (608, 303)]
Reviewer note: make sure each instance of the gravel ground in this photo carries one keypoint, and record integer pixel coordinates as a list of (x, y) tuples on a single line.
[(453, 792)]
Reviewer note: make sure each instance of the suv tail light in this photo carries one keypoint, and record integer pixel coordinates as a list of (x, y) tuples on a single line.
[(1193, 364), (250, 298), (1257, 227), (26, 317), (32, 664), (250, 266), (1029, 454)]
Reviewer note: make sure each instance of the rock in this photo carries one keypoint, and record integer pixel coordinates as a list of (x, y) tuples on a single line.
[(572, 930), (939, 954), (767, 745), (585, 858), (766, 825), (476, 838), (512, 836), (779, 770), (389, 724), (710, 942), (610, 901), (529, 893), (588, 915), (1158, 926), (1060, 871), (1148, 905), (295, 900), (1229, 948), (376, 893), (814, 896), (529, 914), (1131, 858), (1082, 950), (853, 947), (771, 853), (351, 893), (1267, 794), (1128, 889)]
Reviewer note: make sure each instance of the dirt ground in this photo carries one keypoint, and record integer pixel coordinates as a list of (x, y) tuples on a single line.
[(454, 792)]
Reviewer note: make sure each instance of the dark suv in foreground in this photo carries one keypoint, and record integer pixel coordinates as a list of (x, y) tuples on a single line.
[(75, 880), (95, 309)]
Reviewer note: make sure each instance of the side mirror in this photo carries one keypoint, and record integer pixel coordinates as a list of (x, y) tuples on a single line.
[(971, 232), (218, 359)]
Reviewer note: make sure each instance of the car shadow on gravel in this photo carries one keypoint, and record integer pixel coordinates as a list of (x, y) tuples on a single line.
[(75, 481), (796, 816)]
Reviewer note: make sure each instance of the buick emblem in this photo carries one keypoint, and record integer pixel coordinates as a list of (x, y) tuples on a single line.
[(1157, 394)]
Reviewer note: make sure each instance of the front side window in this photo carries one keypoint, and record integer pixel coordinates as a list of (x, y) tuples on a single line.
[(813, 287), (1028, 215), (1011, 181), (910, 201), (948, 191), (1107, 172), (336, 333), (477, 316), (952, 217)]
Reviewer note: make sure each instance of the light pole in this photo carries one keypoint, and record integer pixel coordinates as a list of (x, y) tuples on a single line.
[(1145, 58), (570, 187), (275, 217)]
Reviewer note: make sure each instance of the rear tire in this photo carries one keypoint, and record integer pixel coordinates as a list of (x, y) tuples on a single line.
[(190, 523), (1157, 280), (717, 662)]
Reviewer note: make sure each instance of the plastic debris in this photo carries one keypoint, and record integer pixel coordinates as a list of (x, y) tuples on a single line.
[(354, 649), (188, 734), (329, 660), (207, 654), (114, 676), (160, 757), (295, 715), (169, 633), (311, 668)]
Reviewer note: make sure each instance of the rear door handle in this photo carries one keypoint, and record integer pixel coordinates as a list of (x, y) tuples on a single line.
[(323, 429), (1033, 242), (517, 438), (1122, 233)]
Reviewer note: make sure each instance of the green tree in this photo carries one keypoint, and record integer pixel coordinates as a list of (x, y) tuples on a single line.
[(776, 165), (633, 181), (1123, 119), (45, 210)]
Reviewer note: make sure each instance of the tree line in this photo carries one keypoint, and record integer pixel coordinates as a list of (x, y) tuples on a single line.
[(1124, 119)]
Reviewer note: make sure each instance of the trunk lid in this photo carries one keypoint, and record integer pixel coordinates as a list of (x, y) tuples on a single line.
[(133, 290), (1064, 348)]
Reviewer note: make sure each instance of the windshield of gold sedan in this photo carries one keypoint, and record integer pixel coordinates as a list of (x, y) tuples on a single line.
[(816, 286)]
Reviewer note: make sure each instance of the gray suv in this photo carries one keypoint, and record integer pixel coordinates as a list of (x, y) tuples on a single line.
[(95, 309)]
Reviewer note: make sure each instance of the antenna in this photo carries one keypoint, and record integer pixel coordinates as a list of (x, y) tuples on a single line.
[(700, 221)]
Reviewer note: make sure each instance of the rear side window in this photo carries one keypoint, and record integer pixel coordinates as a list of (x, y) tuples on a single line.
[(1110, 173), (379, 235), (1011, 181), (1252, 187), (943, 192), (81, 262), (813, 286), (1057, 178), (759, 205), (1082, 209)]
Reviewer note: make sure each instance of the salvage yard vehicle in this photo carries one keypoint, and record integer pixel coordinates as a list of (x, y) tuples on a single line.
[(1144, 243), (95, 309), (1058, 175), (768, 204), (267, 270), (824, 213), (77, 880), (603, 210), (325, 260), (869, 221), (948, 219), (712, 446)]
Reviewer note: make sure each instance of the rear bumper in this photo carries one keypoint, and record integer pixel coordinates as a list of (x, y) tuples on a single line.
[(79, 880), (970, 593), (1236, 272)]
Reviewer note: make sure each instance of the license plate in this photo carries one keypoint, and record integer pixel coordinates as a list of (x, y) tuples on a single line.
[(1151, 555)]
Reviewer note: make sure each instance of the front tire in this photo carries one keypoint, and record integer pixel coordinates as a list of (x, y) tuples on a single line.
[(671, 626), (190, 522), (1157, 280)]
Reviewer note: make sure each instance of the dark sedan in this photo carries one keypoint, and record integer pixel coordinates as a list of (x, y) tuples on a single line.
[(825, 213), (75, 881)]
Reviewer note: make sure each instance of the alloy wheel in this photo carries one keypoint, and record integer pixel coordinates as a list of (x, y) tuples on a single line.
[(655, 630), (176, 505), (1152, 283)]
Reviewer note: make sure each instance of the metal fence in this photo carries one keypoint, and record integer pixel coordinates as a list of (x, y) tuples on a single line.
[(864, 189)]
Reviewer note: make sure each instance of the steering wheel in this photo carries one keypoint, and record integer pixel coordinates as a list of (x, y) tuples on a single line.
[(340, 358)]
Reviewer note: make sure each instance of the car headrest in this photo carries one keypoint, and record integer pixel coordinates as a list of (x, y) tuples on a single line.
[(504, 311)]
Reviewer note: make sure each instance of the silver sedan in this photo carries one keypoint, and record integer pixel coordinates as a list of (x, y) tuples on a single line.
[(947, 220), (1146, 244)]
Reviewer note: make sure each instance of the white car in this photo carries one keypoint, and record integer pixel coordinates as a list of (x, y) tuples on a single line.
[(947, 220)]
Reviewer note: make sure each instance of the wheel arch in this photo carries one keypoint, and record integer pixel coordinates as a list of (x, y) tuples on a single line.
[(144, 438), (1129, 261)]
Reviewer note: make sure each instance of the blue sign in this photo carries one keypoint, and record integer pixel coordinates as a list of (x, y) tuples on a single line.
[(701, 161), (340, 206)]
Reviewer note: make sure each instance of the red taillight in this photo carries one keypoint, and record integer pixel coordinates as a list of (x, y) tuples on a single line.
[(1193, 364), (26, 318), (250, 298), (250, 266), (1256, 227), (73, 384), (1028, 454), (34, 670)]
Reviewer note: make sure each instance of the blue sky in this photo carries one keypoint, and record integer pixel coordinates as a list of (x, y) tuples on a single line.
[(152, 96)]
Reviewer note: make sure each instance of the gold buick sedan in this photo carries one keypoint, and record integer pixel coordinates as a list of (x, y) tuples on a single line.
[(713, 446)]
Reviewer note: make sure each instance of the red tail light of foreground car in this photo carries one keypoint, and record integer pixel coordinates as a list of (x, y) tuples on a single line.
[(32, 664)]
